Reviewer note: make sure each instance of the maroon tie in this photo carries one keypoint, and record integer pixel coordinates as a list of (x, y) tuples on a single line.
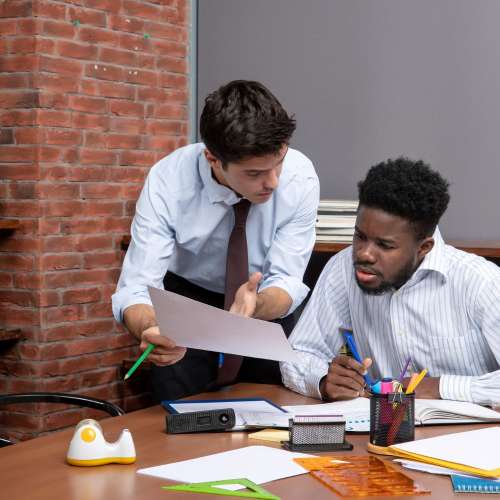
[(236, 275)]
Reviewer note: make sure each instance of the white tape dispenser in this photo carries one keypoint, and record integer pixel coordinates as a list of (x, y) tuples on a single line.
[(88, 446)]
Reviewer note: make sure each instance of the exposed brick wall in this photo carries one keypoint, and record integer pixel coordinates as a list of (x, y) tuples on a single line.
[(93, 93)]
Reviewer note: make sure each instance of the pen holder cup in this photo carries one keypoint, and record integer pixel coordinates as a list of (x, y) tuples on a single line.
[(392, 418)]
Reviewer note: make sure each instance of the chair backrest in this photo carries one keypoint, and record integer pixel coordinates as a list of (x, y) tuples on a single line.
[(58, 397)]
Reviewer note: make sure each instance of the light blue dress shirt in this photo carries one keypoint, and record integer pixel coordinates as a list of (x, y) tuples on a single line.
[(184, 218), (446, 317)]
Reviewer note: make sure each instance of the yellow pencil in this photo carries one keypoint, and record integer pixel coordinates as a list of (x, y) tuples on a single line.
[(415, 380)]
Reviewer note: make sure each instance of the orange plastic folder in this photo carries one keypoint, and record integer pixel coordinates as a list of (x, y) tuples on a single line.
[(360, 476), (474, 452)]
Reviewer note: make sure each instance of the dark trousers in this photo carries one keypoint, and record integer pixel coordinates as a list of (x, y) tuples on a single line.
[(197, 371)]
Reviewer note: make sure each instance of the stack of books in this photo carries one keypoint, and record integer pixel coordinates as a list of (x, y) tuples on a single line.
[(336, 220)]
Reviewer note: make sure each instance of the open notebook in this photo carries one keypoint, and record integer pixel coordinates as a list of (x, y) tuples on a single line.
[(427, 411)]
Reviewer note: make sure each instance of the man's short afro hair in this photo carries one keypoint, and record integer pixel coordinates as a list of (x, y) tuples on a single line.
[(409, 189)]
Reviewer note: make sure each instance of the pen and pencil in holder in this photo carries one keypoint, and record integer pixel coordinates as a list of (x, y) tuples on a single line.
[(392, 418)]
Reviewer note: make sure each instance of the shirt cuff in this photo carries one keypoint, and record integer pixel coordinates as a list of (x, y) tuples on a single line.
[(455, 387), (293, 286), (123, 299)]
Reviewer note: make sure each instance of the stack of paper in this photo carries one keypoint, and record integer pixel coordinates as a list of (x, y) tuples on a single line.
[(474, 452), (335, 221)]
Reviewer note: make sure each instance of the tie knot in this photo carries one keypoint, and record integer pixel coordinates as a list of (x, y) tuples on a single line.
[(241, 212)]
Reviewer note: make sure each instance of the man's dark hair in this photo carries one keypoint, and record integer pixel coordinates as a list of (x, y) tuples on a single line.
[(243, 119), (409, 189)]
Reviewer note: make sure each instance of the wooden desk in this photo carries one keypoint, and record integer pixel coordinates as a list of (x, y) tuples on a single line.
[(37, 468)]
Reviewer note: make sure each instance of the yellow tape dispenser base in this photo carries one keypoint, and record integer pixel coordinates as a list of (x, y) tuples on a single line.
[(89, 448)]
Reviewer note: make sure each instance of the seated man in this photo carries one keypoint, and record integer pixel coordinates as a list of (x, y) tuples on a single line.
[(403, 292)]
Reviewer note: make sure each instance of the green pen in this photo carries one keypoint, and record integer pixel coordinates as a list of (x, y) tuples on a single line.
[(142, 357)]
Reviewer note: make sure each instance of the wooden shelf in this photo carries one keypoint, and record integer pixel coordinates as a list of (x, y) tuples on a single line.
[(9, 224), (483, 248), (10, 335)]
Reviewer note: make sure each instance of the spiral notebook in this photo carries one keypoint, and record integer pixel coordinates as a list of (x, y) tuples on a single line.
[(467, 484)]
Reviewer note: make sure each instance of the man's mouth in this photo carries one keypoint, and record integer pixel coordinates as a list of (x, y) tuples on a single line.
[(366, 275)]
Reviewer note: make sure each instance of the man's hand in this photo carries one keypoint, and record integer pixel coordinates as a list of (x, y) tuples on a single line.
[(344, 379), (245, 300), (427, 389), (166, 352)]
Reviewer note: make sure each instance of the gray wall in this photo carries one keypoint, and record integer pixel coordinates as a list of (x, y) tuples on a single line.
[(372, 79)]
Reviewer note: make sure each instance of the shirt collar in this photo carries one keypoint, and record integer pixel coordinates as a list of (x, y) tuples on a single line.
[(216, 192), (435, 260)]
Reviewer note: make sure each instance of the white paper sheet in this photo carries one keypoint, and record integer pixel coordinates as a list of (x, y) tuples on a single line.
[(260, 464), (193, 324)]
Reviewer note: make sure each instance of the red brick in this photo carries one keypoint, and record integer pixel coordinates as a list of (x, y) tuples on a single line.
[(63, 137), (88, 104), (48, 298), (129, 174), (28, 280), (22, 45), (16, 262), (161, 95), (120, 141), (89, 174), (172, 64), (105, 191), (61, 384), (57, 244), (95, 327), (61, 66), (29, 26), (11, 81), (24, 190), (98, 36), (173, 49), (118, 224), (56, 82), (141, 158), (134, 42), (45, 46), (81, 296), (60, 314), (17, 297), (16, 9), (6, 136), (116, 56), (87, 121), (6, 280), (161, 30), (128, 125), (83, 226), (8, 27), (141, 77), (87, 16), (49, 9), (64, 208), (168, 111), (18, 117), (104, 72), (163, 127), (18, 63), (51, 118), (19, 99), (141, 9), (101, 310), (48, 154), (94, 140), (102, 259), (93, 276), (58, 173), (21, 208), (52, 100), (55, 262), (110, 89), (99, 377), (63, 29), (166, 144), (97, 157), (59, 191), (48, 226), (29, 135), (121, 23), (75, 50), (126, 108), (146, 61), (21, 245), (106, 5)]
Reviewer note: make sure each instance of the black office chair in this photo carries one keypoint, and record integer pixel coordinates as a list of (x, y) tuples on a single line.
[(58, 397)]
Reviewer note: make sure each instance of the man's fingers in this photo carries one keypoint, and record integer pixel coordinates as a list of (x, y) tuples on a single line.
[(169, 358), (253, 281)]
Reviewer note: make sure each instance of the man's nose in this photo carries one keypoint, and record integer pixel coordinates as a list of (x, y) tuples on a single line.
[(365, 253), (271, 180)]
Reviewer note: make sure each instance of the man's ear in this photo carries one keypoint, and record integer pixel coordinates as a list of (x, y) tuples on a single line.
[(425, 246), (212, 159)]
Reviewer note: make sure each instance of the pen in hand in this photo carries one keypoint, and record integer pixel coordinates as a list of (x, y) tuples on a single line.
[(141, 358)]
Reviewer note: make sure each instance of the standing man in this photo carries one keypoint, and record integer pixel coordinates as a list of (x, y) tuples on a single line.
[(241, 194), (403, 292)]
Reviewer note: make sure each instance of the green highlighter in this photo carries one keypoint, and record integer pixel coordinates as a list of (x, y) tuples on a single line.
[(142, 357), (210, 487)]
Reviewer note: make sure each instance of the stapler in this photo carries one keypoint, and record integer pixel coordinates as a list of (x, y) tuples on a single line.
[(88, 446)]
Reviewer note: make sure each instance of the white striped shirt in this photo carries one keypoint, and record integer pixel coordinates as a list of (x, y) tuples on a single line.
[(446, 317)]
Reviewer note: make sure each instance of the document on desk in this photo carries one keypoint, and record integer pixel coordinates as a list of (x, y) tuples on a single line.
[(260, 464), (199, 326)]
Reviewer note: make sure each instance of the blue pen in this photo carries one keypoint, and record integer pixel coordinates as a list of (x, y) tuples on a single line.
[(349, 340)]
